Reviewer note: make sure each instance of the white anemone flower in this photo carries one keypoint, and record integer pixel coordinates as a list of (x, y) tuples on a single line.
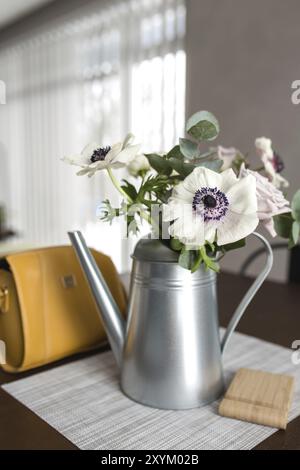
[(138, 165), (95, 157), (209, 206)]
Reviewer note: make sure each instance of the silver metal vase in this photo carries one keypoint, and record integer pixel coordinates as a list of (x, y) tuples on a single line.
[(169, 351)]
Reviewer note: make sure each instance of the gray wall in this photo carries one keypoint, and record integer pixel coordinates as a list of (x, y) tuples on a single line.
[(242, 56)]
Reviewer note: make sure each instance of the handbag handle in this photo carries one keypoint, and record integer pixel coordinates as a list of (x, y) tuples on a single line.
[(250, 293)]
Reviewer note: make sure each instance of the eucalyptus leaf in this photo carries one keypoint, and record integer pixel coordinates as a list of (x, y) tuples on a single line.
[(188, 148), (214, 165), (208, 154), (296, 206), (283, 225), (183, 169), (203, 126), (159, 164), (175, 153)]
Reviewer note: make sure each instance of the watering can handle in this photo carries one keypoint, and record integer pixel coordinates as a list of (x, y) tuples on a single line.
[(250, 293)]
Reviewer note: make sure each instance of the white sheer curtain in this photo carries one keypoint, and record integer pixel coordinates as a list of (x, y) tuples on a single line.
[(117, 68)]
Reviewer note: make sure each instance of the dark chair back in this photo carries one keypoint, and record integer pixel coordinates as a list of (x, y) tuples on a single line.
[(294, 260)]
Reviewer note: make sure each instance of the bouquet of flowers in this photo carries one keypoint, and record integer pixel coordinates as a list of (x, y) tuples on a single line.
[(201, 204)]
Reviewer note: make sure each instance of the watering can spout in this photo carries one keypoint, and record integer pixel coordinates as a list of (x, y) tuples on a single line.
[(113, 322)]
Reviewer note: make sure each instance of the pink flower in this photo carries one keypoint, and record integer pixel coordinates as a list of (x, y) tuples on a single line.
[(271, 161), (270, 200)]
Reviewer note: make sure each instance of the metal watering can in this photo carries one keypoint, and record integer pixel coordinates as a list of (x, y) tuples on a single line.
[(169, 351)]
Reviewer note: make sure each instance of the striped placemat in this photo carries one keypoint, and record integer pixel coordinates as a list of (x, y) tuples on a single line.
[(83, 402)]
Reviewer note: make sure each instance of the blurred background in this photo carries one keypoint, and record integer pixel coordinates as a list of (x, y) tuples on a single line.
[(82, 70)]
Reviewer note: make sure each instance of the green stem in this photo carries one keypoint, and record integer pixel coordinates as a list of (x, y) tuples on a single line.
[(144, 215), (209, 263), (116, 184), (197, 262)]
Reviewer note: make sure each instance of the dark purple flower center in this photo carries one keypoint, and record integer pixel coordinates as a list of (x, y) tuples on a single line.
[(210, 203), (100, 154)]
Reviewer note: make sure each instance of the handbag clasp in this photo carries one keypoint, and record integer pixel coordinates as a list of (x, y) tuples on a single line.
[(4, 299)]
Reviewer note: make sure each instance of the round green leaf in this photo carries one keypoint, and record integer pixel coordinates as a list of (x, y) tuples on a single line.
[(159, 164), (183, 169), (175, 153), (214, 165), (203, 126), (188, 148)]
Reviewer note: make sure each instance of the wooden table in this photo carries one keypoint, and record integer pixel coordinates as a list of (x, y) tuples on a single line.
[(274, 315)]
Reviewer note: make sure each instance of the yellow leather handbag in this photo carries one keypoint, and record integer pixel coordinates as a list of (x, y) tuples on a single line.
[(46, 309)]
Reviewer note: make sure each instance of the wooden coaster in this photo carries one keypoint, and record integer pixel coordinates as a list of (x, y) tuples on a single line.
[(259, 397)]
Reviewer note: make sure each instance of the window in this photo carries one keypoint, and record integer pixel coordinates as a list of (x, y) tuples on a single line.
[(96, 76)]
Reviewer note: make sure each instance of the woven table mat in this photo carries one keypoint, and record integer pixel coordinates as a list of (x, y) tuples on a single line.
[(83, 402)]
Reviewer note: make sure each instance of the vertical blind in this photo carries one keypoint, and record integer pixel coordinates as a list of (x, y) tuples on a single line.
[(116, 68)]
